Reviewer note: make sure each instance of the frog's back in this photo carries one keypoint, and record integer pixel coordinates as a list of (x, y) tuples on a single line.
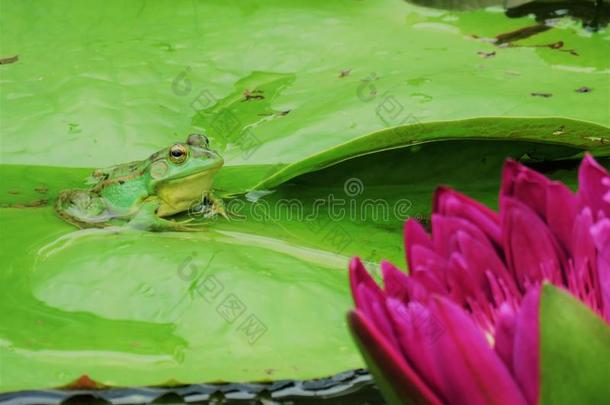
[(125, 186)]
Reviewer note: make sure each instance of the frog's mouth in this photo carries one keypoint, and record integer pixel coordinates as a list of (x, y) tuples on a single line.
[(177, 195)]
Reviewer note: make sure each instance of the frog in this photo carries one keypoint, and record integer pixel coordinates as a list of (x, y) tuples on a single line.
[(143, 194)]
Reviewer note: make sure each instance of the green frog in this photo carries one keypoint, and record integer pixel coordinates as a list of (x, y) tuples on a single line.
[(143, 193)]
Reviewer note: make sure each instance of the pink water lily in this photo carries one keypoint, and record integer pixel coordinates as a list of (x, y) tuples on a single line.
[(463, 326)]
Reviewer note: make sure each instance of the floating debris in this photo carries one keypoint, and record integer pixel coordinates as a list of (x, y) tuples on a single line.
[(584, 89)]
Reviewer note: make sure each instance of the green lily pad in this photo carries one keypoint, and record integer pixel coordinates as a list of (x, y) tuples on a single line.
[(127, 78), (165, 308)]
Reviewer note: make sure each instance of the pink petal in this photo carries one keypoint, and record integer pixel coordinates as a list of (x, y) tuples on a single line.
[(481, 259), (445, 230), (471, 371), (370, 299), (375, 311), (450, 203), (414, 235), (526, 351), (551, 200), (426, 259), (429, 281), (417, 332), (396, 378), (357, 276), (396, 283), (505, 335), (561, 208), (401, 286), (584, 279), (461, 280), (532, 251), (525, 185), (594, 186), (601, 237)]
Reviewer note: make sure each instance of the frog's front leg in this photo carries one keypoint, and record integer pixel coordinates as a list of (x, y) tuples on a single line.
[(147, 219)]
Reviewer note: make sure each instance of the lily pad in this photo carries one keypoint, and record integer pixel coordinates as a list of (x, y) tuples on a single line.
[(128, 78)]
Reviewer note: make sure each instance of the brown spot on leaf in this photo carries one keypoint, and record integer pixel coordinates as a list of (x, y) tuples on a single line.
[(539, 94), (30, 204), (41, 189), (584, 89), (521, 33), (14, 192), (486, 55), (9, 59), (344, 73)]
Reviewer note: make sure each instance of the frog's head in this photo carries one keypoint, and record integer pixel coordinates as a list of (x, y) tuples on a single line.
[(183, 172)]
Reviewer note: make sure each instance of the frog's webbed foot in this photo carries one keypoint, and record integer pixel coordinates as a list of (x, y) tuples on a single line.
[(218, 208), (209, 207), (147, 220)]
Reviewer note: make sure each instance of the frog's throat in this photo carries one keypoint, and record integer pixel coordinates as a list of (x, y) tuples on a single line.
[(178, 195)]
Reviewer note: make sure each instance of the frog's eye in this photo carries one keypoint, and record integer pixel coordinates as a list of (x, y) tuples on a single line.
[(178, 153)]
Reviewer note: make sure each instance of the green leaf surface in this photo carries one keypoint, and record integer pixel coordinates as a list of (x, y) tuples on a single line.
[(165, 308), (125, 78), (574, 351)]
